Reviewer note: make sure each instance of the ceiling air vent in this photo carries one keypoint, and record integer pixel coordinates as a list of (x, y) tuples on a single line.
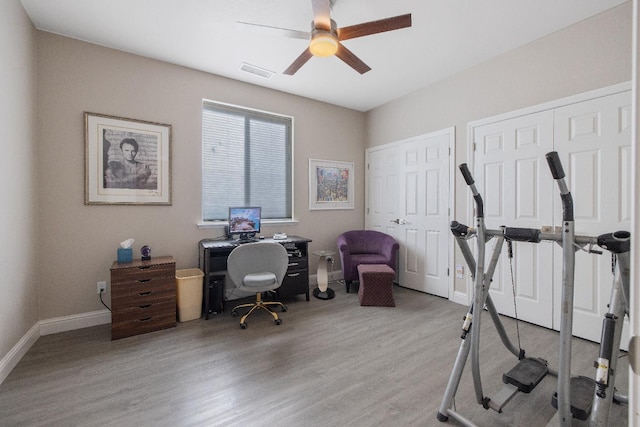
[(256, 70)]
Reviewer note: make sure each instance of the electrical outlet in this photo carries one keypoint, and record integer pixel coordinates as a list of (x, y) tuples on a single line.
[(102, 287)]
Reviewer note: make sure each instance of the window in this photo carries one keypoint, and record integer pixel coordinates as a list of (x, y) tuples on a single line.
[(246, 161)]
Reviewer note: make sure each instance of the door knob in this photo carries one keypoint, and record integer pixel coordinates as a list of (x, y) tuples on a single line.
[(399, 221)]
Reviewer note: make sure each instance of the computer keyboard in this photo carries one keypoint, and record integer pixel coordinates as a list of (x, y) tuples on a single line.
[(240, 242)]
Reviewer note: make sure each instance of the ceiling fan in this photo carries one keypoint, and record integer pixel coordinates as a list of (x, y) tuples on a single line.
[(325, 37)]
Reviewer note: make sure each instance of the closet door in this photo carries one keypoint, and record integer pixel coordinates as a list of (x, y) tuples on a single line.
[(408, 197), (513, 177), (593, 139), (424, 210)]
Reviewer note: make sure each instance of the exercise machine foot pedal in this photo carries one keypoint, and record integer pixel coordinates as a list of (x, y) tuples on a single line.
[(582, 389), (526, 374)]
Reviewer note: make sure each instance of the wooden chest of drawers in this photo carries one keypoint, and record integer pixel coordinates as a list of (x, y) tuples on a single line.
[(143, 296)]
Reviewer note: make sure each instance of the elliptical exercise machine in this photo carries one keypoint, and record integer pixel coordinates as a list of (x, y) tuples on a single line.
[(579, 397)]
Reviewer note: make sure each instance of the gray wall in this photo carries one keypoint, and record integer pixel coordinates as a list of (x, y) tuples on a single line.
[(80, 240), (18, 213), (592, 54)]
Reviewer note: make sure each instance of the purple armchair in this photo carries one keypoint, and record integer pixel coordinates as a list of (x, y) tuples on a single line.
[(365, 247)]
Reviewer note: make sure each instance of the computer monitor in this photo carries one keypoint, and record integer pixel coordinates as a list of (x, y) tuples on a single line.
[(244, 222)]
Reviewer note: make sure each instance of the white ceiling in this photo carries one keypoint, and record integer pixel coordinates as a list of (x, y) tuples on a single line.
[(447, 36)]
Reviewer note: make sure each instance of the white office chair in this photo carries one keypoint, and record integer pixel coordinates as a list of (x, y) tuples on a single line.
[(258, 267)]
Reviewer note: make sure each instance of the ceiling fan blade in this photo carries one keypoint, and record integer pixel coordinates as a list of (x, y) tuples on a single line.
[(374, 27), (351, 59), (321, 14), (299, 62), (272, 31)]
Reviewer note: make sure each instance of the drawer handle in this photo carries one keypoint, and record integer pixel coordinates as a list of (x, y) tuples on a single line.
[(144, 294), (146, 319), (293, 264), (293, 274), (144, 267), (145, 306), (144, 280)]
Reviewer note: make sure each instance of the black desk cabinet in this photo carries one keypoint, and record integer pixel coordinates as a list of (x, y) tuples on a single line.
[(213, 262)]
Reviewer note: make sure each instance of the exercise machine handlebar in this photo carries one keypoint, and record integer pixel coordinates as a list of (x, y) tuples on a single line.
[(617, 242), (466, 173), (555, 165), (459, 230), (565, 195), (468, 178), (518, 234)]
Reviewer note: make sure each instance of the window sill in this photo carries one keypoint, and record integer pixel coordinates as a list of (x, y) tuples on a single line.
[(265, 223)]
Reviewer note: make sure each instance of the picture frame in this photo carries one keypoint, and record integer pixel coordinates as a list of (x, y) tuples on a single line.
[(127, 161), (331, 184)]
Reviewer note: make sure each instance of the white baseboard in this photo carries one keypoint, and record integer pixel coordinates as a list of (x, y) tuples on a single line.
[(11, 359), (47, 327), (75, 321)]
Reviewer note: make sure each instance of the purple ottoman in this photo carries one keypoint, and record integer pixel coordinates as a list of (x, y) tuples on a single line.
[(376, 285)]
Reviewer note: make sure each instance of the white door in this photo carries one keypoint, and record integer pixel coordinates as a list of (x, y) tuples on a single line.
[(593, 139), (383, 191), (425, 211), (419, 219), (513, 178)]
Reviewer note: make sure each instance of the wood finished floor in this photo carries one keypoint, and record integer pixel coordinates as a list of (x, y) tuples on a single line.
[(331, 363)]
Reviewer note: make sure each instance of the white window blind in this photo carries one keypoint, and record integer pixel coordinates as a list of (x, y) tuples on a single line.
[(246, 161)]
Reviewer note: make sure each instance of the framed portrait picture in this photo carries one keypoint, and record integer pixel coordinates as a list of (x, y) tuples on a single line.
[(127, 161), (330, 184)]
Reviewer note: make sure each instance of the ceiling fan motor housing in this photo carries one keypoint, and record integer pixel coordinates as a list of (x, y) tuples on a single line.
[(324, 42)]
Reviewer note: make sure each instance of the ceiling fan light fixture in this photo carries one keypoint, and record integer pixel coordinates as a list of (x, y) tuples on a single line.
[(323, 43)]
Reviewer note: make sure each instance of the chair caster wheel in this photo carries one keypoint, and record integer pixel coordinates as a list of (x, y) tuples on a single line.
[(234, 313), (278, 322), (283, 309), (243, 326)]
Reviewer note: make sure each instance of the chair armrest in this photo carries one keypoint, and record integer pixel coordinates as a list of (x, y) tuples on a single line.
[(389, 249), (341, 242), (345, 257)]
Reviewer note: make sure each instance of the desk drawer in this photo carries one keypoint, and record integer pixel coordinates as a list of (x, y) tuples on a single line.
[(144, 311), (146, 296), (295, 282), (143, 287), (298, 263), (141, 325), (138, 274)]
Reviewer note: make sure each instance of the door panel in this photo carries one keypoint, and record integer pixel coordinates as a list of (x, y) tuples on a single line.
[(411, 265)]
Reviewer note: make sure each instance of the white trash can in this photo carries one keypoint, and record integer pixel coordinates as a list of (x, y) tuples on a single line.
[(189, 293)]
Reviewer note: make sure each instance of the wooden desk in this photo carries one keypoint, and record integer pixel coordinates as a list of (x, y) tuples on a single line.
[(212, 261)]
